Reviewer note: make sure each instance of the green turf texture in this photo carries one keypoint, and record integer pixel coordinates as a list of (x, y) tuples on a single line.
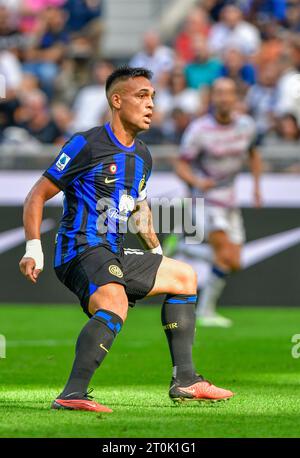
[(253, 358)]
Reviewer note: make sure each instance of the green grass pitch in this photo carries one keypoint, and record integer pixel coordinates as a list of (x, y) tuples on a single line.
[(253, 359)]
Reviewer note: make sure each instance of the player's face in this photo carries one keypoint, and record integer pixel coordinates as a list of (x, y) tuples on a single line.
[(137, 104), (224, 97)]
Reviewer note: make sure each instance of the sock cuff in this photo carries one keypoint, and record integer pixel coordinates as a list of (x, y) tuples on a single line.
[(218, 271), (181, 298), (113, 321)]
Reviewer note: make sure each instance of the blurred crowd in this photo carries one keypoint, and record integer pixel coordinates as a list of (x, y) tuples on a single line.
[(50, 59)]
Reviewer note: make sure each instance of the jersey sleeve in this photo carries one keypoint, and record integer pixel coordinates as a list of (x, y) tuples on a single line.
[(73, 160), (190, 143)]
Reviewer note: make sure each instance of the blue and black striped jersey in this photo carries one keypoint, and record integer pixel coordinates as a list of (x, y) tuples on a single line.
[(102, 180)]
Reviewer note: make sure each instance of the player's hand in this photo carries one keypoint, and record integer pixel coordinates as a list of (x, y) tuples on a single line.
[(27, 267), (205, 184)]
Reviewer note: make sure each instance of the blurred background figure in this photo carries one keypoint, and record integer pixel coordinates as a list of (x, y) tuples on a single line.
[(288, 128), (48, 49), (205, 68), (35, 117), (236, 67), (288, 82), (234, 31), (262, 98), (214, 150), (155, 56), (90, 105), (197, 24), (57, 47)]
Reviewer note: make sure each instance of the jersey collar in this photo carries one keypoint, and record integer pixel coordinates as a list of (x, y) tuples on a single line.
[(128, 149)]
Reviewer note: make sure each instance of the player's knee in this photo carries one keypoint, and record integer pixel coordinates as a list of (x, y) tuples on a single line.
[(235, 264), (110, 297), (186, 280), (229, 261)]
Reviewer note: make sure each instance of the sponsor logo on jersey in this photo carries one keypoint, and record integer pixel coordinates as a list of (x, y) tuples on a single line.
[(62, 161), (116, 271)]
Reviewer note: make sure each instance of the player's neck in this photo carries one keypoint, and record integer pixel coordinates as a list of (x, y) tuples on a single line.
[(124, 135), (223, 118)]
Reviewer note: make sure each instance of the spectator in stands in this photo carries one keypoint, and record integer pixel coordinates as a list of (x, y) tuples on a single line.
[(237, 68), (10, 82), (10, 37), (178, 122), (63, 117), (272, 44), (155, 56), (261, 99), (82, 13), (90, 105), (292, 21), (258, 11), (213, 8), (288, 128), (31, 11), (34, 116), (195, 25), (288, 85), (178, 95), (204, 69), (44, 58), (85, 26), (233, 31)]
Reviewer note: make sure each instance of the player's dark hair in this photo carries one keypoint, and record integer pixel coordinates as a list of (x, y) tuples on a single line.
[(125, 72)]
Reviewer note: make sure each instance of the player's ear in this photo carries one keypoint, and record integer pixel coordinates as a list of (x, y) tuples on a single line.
[(115, 101)]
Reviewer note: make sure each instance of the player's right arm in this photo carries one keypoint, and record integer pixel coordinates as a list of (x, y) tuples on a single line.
[(189, 150), (32, 262), (73, 160), (184, 170)]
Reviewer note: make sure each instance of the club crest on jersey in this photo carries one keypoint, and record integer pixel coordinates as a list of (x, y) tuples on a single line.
[(113, 168), (142, 183), (62, 161), (116, 271)]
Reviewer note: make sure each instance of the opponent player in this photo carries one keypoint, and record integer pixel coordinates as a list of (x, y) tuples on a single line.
[(103, 174), (213, 151)]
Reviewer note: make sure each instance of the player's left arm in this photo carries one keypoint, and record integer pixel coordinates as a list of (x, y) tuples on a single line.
[(255, 165), (142, 220)]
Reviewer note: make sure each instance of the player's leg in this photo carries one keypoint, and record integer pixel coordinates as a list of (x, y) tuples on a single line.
[(225, 233), (226, 260), (179, 281), (108, 307), (102, 295)]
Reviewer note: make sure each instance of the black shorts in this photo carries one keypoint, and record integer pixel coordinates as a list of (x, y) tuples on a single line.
[(97, 266)]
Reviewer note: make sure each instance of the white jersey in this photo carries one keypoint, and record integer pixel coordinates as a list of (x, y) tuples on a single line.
[(218, 151)]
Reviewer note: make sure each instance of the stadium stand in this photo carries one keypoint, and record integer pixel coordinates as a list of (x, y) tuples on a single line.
[(54, 67)]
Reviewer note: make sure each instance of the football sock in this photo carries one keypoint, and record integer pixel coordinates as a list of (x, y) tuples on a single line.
[(178, 320), (93, 344), (211, 292)]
